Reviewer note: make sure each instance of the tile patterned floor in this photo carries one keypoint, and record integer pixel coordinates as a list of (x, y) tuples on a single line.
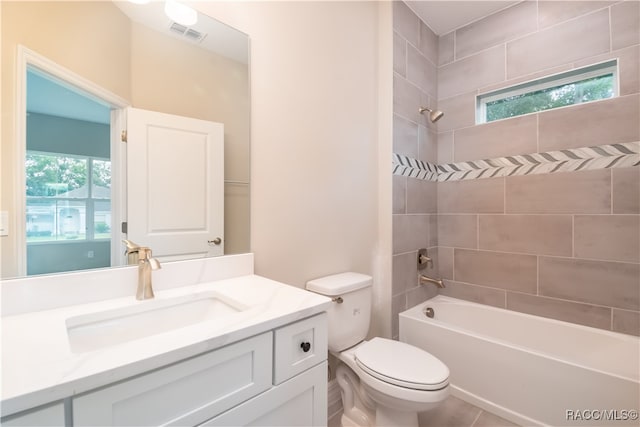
[(453, 413)]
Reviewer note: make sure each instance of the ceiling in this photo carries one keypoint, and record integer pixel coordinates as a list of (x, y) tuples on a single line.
[(447, 15), (48, 95), (217, 36)]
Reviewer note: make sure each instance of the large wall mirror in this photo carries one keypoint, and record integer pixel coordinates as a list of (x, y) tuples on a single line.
[(65, 176)]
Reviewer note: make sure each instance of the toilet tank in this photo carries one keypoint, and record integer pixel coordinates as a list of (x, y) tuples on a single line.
[(348, 319)]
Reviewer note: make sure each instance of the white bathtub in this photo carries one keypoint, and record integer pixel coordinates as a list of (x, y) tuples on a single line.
[(528, 369)]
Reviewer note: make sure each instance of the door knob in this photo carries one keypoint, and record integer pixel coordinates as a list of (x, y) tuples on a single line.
[(215, 241)]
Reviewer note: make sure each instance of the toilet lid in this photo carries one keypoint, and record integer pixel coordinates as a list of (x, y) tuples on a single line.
[(402, 364)]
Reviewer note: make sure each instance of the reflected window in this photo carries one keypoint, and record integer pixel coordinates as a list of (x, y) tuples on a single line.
[(68, 197)]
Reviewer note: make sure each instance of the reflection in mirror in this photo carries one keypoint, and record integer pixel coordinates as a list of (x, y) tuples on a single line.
[(140, 56), (67, 178)]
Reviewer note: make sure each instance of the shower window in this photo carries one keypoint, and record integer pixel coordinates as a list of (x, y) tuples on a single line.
[(586, 84)]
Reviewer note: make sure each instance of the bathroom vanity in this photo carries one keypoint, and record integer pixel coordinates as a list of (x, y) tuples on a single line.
[(213, 350)]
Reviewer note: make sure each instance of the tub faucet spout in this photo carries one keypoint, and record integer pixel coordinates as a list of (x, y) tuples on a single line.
[(424, 279), (145, 265)]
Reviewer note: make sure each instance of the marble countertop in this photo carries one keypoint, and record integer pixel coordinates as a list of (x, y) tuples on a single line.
[(39, 366)]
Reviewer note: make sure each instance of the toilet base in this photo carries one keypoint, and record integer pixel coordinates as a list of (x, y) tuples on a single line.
[(388, 417)]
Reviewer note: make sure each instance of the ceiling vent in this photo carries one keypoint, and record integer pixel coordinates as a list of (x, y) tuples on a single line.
[(188, 33)]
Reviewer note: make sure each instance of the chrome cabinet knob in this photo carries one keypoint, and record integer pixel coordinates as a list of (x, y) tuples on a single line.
[(215, 241)]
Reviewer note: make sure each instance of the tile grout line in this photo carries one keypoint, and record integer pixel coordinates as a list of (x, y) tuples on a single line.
[(477, 417), (610, 29)]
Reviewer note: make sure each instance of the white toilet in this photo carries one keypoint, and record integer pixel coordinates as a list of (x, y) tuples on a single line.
[(383, 382)]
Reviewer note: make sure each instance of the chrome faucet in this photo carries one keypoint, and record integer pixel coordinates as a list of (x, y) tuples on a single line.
[(146, 263)]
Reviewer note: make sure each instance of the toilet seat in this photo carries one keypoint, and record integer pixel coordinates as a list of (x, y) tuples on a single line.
[(401, 364)]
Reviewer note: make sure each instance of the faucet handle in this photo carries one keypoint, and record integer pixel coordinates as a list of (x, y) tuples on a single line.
[(131, 247)]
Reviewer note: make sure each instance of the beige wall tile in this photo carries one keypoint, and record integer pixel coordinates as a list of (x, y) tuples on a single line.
[(422, 196), (427, 144), (399, 54), (629, 69), (405, 272), (433, 231), (405, 137), (420, 294), (612, 284), (583, 314), (407, 98), (472, 72), (556, 11), (496, 269), (471, 196), (625, 24), (626, 190), (445, 262), (446, 45), (489, 140), (627, 322), (571, 41), (532, 234), (410, 233), (585, 192), (496, 29), (595, 123), (421, 72), (399, 194), (398, 305), (445, 147), (459, 112), (479, 294), (608, 237), (429, 43), (406, 23), (459, 231)]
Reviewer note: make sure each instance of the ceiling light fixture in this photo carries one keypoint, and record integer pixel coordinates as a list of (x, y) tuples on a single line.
[(180, 13)]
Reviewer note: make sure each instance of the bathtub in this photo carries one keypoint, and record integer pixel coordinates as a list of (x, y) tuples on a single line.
[(529, 369)]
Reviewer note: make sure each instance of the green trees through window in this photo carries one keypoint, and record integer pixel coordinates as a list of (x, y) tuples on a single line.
[(560, 96), (68, 197), (577, 86)]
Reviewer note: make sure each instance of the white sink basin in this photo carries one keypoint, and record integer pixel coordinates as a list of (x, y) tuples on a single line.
[(106, 328)]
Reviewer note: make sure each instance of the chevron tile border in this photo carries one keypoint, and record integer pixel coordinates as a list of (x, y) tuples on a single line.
[(569, 160)]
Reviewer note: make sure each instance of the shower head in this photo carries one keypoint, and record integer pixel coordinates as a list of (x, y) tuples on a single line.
[(434, 116)]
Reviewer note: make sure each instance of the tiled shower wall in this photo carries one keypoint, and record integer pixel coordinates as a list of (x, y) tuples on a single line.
[(561, 245), (415, 58)]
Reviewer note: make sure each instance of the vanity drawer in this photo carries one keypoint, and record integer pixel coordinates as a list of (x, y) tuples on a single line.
[(299, 346), (186, 393)]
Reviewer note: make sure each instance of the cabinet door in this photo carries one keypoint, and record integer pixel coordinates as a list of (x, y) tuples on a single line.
[(52, 415), (300, 401), (186, 393), (299, 346)]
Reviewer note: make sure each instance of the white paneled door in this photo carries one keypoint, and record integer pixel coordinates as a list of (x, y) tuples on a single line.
[(175, 184)]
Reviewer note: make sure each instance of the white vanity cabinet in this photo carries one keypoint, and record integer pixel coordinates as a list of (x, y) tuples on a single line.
[(49, 415), (275, 378)]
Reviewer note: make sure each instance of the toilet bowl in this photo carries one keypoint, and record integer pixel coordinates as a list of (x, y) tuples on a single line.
[(383, 382)]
